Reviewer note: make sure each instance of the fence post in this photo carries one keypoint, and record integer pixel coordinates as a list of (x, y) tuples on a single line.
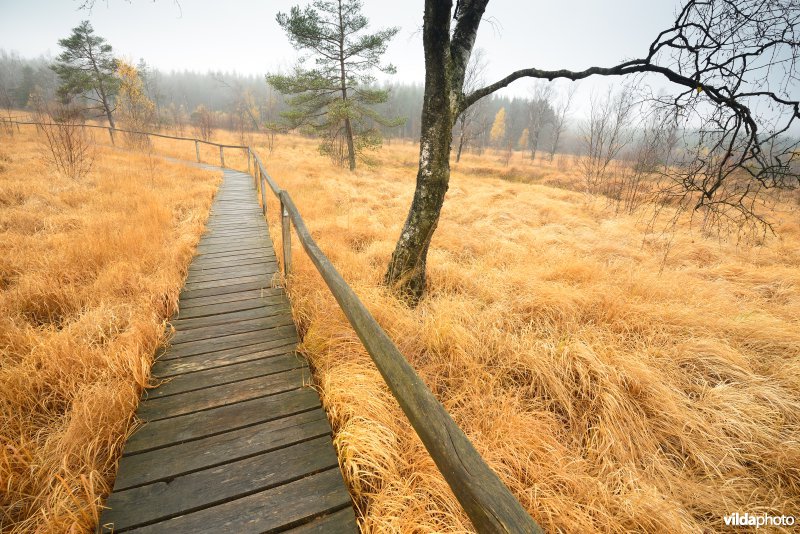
[(248, 161), (263, 183), (221, 157), (197, 150), (286, 234)]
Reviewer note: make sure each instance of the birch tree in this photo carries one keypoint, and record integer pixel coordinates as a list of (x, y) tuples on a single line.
[(716, 57)]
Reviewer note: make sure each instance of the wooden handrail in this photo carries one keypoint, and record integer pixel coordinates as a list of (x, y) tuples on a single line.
[(128, 131), (490, 505)]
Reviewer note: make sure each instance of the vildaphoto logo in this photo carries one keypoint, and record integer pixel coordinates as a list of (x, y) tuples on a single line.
[(758, 521)]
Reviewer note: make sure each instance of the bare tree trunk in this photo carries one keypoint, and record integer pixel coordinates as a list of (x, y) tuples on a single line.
[(351, 150), (348, 128), (534, 145), (460, 144), (406, 272)]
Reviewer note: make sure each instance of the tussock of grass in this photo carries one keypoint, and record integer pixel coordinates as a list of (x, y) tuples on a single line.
[(88, 272), (611, 389)]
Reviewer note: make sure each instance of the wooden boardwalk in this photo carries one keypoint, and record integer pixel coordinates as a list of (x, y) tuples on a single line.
[(234, 440)]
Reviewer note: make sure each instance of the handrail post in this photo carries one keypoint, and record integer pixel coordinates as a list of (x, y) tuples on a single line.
[(197, 150), (221, 157), (256, 177), (263, 195), (286, 235), (248, 161)]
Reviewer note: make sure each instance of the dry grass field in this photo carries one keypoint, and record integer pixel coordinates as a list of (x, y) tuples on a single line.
[(613, 388), (89, 270)]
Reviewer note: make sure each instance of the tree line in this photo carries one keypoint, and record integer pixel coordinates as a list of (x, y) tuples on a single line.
[(186, 101)]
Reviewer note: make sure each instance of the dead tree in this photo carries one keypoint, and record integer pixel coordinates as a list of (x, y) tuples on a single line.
[(560, 119), (604, 134), (539, 114), (472, 122)]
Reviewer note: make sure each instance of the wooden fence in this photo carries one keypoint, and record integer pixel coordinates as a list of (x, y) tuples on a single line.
[(487, 501)]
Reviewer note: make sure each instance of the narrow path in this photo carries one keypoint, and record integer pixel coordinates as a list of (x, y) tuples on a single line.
[(234, 439)]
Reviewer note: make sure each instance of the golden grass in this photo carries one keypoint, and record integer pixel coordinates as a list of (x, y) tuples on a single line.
[(89, 270), (612, 391)]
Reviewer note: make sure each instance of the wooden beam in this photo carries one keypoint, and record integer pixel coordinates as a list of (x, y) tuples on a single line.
[(286, 238), (487, 501)]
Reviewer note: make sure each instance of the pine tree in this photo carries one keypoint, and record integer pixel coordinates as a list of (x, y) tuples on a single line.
[(334, 98), (87, 68)]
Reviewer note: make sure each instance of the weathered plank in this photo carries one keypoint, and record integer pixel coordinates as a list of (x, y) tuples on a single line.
[(183, 458), (342, 521), (243, 259), (232, 272), (191, 312), (233, 288), (211, 360), (235, 232), (190, 427), (221, 283), (216, 396), (226, 375), (223, 243), (211, 266), (265, 292), (216, 331), (290, 504), (229, 342), (186, 493), (216, 319)]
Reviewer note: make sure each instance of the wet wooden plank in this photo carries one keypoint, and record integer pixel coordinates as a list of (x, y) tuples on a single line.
[(265, 292), (222, 290), (341, 521), (194, 426), (224, 375), (260, 311), (213, 397), (193, 312), (211, 360), (229, 342), (183, 458), (232, 272), (243, 259), (272, 510), (194, 491), (217, 331)]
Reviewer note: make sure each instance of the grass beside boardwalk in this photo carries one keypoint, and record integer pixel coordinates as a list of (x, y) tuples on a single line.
[(89, 270), (612, 386), (612, 389)]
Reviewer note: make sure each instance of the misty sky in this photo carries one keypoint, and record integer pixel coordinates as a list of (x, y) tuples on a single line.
[(242, 35)]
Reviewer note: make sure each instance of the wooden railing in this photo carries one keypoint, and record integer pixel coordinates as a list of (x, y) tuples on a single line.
[(490, 505), (147, 135)]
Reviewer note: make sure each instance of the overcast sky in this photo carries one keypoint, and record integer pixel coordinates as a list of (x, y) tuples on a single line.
[(242, 35)]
